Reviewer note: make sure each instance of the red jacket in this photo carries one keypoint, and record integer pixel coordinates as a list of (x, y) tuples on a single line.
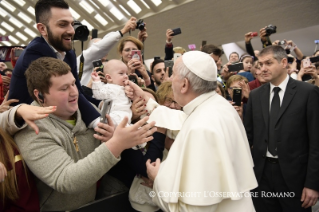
[(28, 195)]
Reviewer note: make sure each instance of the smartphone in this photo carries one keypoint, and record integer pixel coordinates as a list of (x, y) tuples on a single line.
[(192, 46), (177, 55), (136, 54), (9, 75), (314, 59), (235, 67), (176, 31), (306, 62), (204, 43), (133, 78), (18, 52), (107, 105), (169, 64), (157, 58), (98, 63), (237, 96)]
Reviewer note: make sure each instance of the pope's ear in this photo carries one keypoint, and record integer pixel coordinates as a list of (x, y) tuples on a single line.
[(185, 86)]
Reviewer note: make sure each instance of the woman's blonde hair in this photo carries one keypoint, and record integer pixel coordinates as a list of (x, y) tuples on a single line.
[(9, 188), (122, 42), (163, 91)]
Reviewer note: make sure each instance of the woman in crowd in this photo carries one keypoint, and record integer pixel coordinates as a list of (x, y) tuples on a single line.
[(240, 82), (134, 65), (257, 74), (18, 191), (220, 90)]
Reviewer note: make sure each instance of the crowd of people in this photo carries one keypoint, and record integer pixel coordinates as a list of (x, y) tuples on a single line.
[(200, 135)]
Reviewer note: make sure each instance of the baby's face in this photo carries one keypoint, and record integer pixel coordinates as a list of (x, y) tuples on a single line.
[(118, 74)]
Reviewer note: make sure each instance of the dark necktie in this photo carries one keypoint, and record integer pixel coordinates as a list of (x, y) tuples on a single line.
[(274, 111)]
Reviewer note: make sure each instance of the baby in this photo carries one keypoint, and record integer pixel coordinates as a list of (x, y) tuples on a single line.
[(116, 74)]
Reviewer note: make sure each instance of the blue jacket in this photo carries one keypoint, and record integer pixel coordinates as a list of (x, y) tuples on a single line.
[(37, 48)]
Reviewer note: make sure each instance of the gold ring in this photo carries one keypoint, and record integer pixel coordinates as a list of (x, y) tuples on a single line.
[(136, 110)]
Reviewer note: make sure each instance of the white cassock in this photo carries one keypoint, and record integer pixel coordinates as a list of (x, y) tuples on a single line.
[(210, 155)]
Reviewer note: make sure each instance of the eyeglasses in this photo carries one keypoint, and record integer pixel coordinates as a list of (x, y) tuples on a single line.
[(231, 88), (169, 101), (128, 50)]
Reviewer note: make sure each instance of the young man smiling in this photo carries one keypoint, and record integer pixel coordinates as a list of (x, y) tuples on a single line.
[(55, 24), (66, 157)]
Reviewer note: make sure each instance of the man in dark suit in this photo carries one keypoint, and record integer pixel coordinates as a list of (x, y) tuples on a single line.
[(55, 24), (282, 125)]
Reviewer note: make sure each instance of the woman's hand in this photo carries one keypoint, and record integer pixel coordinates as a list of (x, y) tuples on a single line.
[(30, 113), (138, 108), (5, 105), (245, 88)]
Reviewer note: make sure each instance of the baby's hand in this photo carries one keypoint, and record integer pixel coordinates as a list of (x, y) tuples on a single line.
[(95, 76)]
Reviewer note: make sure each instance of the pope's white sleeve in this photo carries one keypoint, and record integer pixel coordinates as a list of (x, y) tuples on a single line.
[(164, 116)]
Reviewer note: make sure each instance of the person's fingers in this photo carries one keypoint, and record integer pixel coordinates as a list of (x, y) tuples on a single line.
[(9, 102), (6, 96), (33, 126), (109, 121)]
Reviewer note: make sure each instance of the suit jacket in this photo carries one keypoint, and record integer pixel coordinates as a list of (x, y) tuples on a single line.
[(297, 133), (37, 48)]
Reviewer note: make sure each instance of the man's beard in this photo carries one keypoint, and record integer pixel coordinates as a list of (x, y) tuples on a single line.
[(57, 42)]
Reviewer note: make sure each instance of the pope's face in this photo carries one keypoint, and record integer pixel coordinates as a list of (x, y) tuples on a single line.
[(177, 83)]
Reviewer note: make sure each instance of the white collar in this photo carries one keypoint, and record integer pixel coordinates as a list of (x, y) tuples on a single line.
[(190, 107)]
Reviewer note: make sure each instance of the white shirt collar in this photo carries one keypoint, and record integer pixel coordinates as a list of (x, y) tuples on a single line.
[(59, 55), (282, 85)]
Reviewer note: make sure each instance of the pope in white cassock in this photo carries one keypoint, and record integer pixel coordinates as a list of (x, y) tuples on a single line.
[(209, 166)]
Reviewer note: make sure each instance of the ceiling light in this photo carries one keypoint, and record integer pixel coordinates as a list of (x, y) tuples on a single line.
[(11, 38), (24, 17), (6, 43), (74, 14), (146, 5), (20, 2), (7, 26), (95, 5), (100, 19), (20, 35), (30, 32), (84, 22), (3, 13), (116, 13), (129, 14), (8, 6), (134, 6), (104, 2), (2, 32), (16, 22), (157, 2), (86, 6), (108, 16), (31, 10)]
